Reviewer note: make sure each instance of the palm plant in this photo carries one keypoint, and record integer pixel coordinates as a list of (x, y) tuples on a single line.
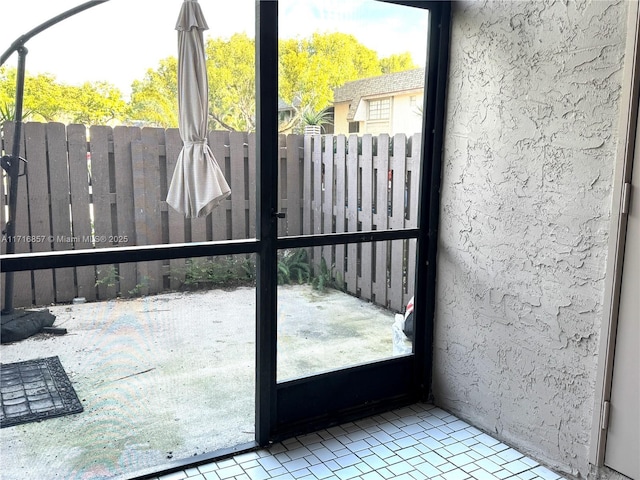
[(315, 118)]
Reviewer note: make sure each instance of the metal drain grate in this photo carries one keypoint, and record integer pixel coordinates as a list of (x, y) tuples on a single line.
[(35, 390)]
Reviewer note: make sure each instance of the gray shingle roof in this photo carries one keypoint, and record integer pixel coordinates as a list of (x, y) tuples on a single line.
[(389, 83)]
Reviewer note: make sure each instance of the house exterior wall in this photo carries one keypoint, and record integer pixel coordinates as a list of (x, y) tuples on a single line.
[(340, 122), (405, 118), (531, 136)]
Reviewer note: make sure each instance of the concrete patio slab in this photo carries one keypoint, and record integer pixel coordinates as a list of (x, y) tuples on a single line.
[(171, 376)]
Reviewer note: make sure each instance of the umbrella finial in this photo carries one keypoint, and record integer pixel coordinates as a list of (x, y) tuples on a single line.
[(191, 16)]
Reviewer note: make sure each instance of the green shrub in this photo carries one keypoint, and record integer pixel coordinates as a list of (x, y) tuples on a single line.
[(293, 266), (220, 272)]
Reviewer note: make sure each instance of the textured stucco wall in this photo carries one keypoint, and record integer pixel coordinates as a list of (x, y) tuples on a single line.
[(531, 136)]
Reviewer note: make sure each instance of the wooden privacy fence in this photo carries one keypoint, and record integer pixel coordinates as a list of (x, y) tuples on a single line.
[(105, 187)]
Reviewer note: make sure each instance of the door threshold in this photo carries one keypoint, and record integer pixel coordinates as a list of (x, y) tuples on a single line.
[(197, 460)]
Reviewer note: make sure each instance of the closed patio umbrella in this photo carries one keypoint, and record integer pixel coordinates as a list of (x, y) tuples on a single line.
[(198, 184)]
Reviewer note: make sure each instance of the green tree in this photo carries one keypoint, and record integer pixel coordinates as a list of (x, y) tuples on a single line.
[(154, 99), (95, 103), (398, 62), (47, 100), (231, 75), (311, 68), (43, 98)]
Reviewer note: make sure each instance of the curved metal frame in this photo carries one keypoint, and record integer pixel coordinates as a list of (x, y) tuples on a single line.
[(11, 163)]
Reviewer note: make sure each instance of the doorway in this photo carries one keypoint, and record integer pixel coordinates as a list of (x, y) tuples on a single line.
[(616, 426), (623, 433), (345, 244)]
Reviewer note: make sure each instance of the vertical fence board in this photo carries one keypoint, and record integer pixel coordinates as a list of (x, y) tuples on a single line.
[(65, 288), (139, 204), (380, 219), (352, 214), (283, 177), (396, 222), (23, 286), (307, 187), (22, 291), (39, 225), (316, 205), (175, 219), (341, 200), (413, 165), (322, 189), (80, 212), (101, 183), (328, 199), (251, 165), (199, 228), (294, 185), (123, 146), (152, 140), (366, 220), (239, 224), (218, 142), (21, 280)]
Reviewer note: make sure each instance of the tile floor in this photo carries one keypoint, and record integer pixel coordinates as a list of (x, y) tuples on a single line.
[(416, 442)]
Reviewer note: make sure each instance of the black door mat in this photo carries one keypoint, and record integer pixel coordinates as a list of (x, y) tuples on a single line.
[(35, 390)]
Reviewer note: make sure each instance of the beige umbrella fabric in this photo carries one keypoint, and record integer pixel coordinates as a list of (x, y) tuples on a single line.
[(198, 185)]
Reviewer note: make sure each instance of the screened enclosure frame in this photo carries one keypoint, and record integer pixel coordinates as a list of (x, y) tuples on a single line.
[(293, 407)]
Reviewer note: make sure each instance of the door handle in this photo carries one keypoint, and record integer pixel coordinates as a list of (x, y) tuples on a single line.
[(278, 214)]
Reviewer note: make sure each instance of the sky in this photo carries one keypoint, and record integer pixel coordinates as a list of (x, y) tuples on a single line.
[(118, 41)]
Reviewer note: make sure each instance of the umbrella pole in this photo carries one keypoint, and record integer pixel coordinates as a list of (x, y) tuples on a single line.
[(11, 164)]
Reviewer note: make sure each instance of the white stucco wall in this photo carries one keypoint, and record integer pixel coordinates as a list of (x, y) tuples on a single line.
[(531, 136)]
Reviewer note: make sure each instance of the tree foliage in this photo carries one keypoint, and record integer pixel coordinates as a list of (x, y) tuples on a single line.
[(398, 62), (47, 100), (232, 86), (95, 103), (309, 69), (154, 99)]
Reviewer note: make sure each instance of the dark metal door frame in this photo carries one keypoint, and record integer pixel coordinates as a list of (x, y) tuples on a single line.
[(306, 404)]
